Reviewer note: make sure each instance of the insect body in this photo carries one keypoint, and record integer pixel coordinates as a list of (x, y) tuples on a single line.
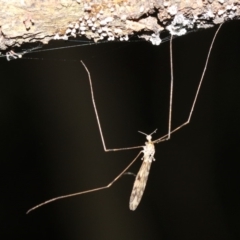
[(142, 176)]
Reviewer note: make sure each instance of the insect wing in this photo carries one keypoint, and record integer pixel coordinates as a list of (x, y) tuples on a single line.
[(139, 185)]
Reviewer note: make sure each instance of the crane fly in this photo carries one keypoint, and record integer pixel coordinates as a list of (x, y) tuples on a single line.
[(149, 148)]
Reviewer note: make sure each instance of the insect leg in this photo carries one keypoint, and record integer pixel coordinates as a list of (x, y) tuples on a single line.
[(88, 191)]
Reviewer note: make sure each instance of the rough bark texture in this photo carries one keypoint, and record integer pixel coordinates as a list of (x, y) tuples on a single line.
[(41, 21)]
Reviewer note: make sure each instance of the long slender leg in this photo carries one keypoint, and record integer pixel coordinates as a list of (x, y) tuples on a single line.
[(171, 94), (88, 191), (166, 137), (97, 117)]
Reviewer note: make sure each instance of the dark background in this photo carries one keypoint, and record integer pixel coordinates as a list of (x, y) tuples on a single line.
[(50, 142)]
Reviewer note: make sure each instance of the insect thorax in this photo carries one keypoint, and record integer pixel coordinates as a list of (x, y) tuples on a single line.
[(148, 152)]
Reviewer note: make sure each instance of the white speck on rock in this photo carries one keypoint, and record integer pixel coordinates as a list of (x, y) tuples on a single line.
[(173, 10)]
